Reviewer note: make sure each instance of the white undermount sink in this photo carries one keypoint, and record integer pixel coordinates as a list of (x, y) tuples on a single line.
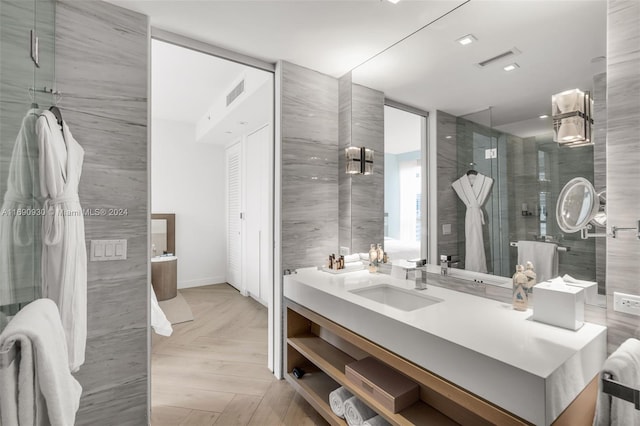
[(399, 298)]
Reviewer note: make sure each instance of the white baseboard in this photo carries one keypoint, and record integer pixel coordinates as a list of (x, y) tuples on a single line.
[(202, 281)]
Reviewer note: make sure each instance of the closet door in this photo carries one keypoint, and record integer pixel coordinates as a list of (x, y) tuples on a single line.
[(234, 215), (256, 249)]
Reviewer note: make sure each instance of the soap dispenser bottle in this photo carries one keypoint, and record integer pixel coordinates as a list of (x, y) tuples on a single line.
[(373, 259), (379, 253), (531, 277), (520, 297)]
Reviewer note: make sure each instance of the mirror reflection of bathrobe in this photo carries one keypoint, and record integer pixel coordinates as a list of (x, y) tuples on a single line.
[(64, 256), (473, 190), (20, 221)]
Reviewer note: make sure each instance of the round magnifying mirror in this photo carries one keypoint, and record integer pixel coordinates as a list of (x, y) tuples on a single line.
[(578, 204)]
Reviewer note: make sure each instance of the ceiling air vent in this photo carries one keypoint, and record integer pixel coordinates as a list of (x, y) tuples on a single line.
[(237, 91), (503, 55)]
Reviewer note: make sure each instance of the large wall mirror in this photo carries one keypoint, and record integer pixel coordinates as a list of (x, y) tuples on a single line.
[(489, 103)]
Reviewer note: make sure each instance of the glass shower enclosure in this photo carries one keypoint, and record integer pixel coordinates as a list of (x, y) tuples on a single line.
[(27, 86)]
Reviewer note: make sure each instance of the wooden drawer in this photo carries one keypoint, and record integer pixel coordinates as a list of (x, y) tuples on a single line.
[(389, 387)]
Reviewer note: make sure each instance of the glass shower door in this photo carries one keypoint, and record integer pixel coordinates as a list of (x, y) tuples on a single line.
[(25, 89)]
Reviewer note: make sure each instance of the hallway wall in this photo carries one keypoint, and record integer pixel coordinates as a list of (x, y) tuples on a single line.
[(188, 179)]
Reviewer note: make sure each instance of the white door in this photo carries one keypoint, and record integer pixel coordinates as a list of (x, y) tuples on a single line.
[(234, 212), (257, 258)]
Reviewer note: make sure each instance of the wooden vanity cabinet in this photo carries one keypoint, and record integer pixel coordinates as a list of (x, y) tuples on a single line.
[(322, 348)]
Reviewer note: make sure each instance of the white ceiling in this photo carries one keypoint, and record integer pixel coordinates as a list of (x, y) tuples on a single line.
[(328, 36), (557, 39), (184, 83)]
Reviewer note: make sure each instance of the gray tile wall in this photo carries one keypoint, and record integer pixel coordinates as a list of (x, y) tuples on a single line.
[(101, 67), (345, 127), (309, 126), (623, 162), (447, 174), (361, 116), (367, 212)]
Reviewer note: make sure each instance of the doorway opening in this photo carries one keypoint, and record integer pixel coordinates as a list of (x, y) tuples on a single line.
[(405, 230), (212, 169)]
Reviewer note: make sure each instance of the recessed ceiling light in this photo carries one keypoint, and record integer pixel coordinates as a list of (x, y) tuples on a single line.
[(242, 123), (544, 116), (447, 137), (393, 1), (468, 39), (511, 67), (228, 132)]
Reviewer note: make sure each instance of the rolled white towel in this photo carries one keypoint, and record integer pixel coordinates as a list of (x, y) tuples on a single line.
[(348, 265), (376, 421), (337, 399), (356, 412), (364, 256), (352, 258)]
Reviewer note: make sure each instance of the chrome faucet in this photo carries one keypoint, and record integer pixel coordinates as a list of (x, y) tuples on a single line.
[(444, 264), (420, 275)]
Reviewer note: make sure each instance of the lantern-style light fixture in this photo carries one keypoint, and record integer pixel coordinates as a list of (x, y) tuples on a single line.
[(572, 118), (359, 160)]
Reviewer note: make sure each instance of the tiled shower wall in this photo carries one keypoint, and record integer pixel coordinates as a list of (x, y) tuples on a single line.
[(623, 162), (309, 152), (101, 68)]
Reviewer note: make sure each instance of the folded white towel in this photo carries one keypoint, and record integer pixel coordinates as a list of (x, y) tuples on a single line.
[(356, 412), (376, 421), (352, 258), (348, 265), (36, 387), (364, 256), (544, 257), (337, 399), (623, 366)]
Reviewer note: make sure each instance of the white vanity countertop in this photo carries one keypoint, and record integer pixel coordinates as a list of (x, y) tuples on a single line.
[(482, 345)]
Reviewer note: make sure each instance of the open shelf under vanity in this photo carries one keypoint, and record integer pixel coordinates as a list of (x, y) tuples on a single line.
[(323, 348)]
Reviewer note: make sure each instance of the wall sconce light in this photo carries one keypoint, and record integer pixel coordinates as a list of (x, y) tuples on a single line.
[(572, 118), (359, 160)]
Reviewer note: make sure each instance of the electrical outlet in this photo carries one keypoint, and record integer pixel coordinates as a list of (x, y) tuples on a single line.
[(627, 303), (345, 251)]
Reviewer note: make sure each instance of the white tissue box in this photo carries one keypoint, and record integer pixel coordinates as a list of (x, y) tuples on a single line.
[(558, 305), (590, 289)]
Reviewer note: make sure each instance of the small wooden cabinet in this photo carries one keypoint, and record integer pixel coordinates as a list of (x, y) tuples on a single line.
[(164, 278)]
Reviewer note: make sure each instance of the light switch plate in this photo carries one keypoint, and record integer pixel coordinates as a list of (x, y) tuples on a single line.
[(627, 303), (103, 250), (446, 229)]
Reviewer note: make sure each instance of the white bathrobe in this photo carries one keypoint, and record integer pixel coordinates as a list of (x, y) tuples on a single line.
[(19, 232), (473, 191), (64, 256)]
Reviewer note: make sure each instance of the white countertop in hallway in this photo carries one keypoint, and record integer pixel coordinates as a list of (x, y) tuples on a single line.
[(480, 344)]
